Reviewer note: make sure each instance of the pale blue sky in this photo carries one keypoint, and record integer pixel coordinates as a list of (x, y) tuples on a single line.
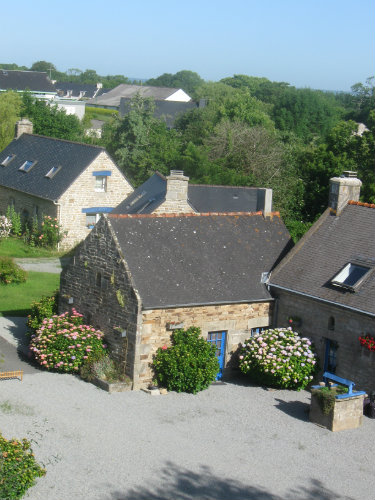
[(325, 44)]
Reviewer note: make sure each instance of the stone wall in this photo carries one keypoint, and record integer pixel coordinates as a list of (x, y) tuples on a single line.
[(98, 285), (346, 414), (354, 362), (23, 201), (236, 319), (82, 194)]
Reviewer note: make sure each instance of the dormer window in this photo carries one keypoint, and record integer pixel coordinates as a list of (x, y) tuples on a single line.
[(53, 172), (27, 166), (350, 276), (7, 160)]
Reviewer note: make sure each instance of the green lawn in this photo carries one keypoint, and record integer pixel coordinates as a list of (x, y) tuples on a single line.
[(15, 299), (15, 247)]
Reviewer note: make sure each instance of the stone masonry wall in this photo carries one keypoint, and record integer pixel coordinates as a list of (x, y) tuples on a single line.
[(97, 285), (23, 201), (236, 319), (354, 362), (82, 194)]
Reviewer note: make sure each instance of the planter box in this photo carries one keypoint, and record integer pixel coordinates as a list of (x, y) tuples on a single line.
[(346, 414), (112, 387)]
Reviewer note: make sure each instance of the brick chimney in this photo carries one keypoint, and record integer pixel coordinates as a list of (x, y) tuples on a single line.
[(343, 189), (176, 197), (23, 126)]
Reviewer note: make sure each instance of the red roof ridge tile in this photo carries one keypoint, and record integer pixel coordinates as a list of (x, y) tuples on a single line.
[(361, 204)]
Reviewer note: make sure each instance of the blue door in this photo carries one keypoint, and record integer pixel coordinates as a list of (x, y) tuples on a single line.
[(218, 339), (330, 356)]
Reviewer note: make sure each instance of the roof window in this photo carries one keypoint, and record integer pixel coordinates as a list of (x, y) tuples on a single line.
[(7, 160), (53, 172), (350, 276), (27, 166)]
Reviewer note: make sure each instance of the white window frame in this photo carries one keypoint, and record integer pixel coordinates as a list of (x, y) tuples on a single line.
[(93, 219), (8, 159), (346, 272), (27, 166), (101, 183)]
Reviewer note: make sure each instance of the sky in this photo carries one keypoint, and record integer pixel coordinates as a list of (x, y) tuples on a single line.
[(321, 44)]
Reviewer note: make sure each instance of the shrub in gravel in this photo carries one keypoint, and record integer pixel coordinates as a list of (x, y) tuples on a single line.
[(278, 358), (102, 366), (10, 272), (18, 468), (189, 365), (63, 342), (46, 307)]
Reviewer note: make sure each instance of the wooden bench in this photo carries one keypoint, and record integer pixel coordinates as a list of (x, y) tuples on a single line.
[(12, 374), (342, 381)]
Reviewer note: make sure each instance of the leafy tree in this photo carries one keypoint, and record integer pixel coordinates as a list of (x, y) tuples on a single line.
[(13, 66), (10, 107), (141, 143), (188, 81), (50, 121)]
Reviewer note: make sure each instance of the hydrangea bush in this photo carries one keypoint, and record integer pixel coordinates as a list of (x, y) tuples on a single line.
[(5, 226), (63, 342), (278, 358)]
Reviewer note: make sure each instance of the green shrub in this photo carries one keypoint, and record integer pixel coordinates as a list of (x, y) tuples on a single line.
[(63, 343), (103, 367), (10, 272), (46, 307), (327, 396), (278, 358), (189, 365), (18, 468), (50, 232), (15, 219)]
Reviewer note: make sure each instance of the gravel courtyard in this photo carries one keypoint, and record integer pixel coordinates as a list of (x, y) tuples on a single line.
[(231, 441)]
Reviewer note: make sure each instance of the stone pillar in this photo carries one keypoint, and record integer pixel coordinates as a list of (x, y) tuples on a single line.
[(177, 186), (343, 189), (23, 126)]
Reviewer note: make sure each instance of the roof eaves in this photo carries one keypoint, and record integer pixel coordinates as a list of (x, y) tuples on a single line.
[(189, 214)]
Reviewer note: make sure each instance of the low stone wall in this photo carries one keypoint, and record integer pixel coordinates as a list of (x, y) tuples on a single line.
[(346, 414)]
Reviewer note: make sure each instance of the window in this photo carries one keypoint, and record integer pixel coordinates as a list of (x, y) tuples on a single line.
[(101, 183), (27, 166), (256, 331), (7, 160), (331, 323), (350, 276), (91, 220), (53, 171)]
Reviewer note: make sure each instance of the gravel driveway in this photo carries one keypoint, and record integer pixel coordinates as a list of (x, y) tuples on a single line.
[(231, 441)]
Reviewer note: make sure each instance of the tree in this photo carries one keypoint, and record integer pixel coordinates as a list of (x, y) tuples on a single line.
[(43, 66), (50, 121), (141, 143), (189, 81), (10, 107)]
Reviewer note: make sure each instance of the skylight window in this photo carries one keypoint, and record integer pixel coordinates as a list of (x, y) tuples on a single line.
[(27, 166), (53, 171), (7, 160), (350, 276)]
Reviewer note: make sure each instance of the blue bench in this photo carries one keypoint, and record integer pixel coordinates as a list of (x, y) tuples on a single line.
[(342, 381)]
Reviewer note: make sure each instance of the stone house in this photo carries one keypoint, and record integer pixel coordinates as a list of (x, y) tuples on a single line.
[(137, 277), (73, 182), (325, 286)]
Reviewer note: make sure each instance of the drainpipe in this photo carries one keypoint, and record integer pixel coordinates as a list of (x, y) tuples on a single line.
[(58, 205)]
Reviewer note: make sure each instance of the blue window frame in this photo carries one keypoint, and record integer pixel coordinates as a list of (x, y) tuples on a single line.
[(218, 339), (256, 331), (330, 358)]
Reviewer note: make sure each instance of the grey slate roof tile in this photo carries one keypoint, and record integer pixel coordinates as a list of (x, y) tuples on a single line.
[(200, 259), (330, 244), (203, 198), (73, 158), (22, 80)]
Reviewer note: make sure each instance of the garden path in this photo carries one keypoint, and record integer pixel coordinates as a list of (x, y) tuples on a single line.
[(43, 264)]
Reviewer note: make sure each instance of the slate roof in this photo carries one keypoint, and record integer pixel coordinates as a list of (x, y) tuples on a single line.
[(200, 259), (331, 243), (113, 97), (73, 158), (202, 198), (36, 81), (164, 110), (90, 90)]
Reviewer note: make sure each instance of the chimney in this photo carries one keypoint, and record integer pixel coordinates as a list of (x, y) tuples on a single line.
[(267, 202), (343, 189), (177, 187), (23, 126)]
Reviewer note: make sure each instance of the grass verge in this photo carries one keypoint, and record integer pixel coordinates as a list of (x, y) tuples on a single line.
[(15, 300), (15, 247)]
